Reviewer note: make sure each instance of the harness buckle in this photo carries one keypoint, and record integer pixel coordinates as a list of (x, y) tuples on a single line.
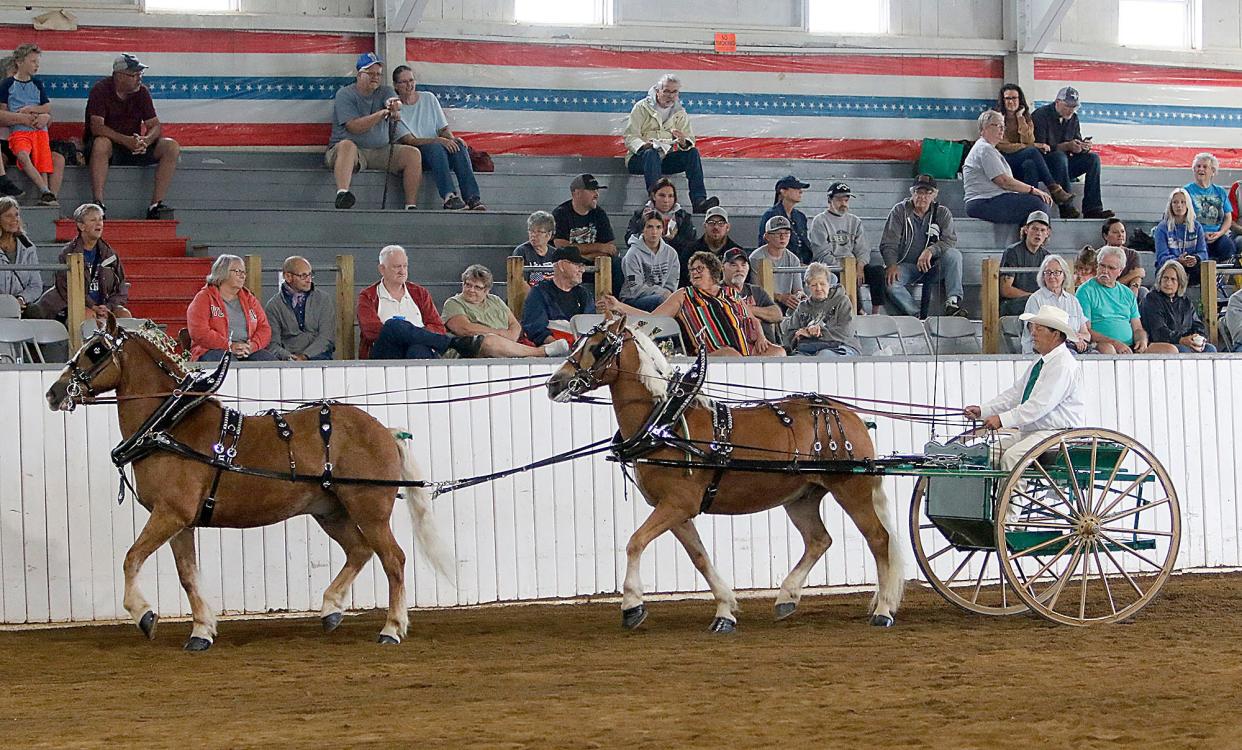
[(218, 449)]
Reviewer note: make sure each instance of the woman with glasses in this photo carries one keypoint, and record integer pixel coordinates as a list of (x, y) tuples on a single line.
[(225, 315), (478, 312), (1054, 276), (1024, 155), (25, 286)]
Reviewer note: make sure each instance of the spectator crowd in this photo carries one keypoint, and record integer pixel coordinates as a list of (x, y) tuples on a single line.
[(1020, 168)]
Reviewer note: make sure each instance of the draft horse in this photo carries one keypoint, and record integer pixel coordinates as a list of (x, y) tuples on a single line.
[(700, 473), (182, 492)]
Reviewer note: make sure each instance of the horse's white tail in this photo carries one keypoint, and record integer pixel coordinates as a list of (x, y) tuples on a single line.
[(418, 501), (892, 581)]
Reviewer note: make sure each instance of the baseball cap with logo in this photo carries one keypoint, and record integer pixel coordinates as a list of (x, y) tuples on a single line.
[(127, 63), (735, 253), (924, 182), (839, 188), (586, 182), (366, 60), (1039, 216), (715, 211), (789, 181), (777, 223), (569, 253), (1069, 95)]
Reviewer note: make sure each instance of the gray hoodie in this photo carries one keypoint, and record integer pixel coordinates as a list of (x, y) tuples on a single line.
[(833, 237), (835, 315), (645, 272), (25, 284), (903, 239)]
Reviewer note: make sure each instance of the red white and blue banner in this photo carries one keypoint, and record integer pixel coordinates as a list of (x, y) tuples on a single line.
[(225, 88)]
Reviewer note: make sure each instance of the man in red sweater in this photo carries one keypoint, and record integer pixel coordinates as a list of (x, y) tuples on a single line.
[(398, 318)]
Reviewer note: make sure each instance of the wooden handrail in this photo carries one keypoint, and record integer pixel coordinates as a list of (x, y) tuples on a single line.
[(516, 287), (1207, 287), (603, 275), (254, 275), (849, 279), (75, 313), (345, 307), (990, 293), (767, 277)]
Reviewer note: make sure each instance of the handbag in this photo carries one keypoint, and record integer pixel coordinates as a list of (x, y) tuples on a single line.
[(940, 159), (480, 161)]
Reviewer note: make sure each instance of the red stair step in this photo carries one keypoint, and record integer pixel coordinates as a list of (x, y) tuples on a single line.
[(163, 287), (135, 229), (129, 248), (162, 267), (160, 308)]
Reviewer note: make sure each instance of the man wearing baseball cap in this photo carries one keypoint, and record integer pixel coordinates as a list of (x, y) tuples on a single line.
[(788, 195), (557, 298), (766, 312), (1046, 398), (122, 128), (715, 239), (1056, 124), (1027, 252), (365, 115), (775, 251), (837, 234), (919, 245)]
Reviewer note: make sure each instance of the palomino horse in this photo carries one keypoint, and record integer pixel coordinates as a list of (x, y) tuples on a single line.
[(637, 375), (141, 367)]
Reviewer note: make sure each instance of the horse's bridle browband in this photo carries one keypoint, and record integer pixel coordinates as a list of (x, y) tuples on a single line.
[(101, 347), (586, 379)]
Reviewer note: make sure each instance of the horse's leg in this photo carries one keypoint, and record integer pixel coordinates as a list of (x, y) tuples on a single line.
[(726, 602), (864, 499), (342, 530), (661, 520), (804, 513), (204, 632), (160, 527), (379, 535)]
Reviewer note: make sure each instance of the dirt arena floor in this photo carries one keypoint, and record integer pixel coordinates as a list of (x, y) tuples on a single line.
[(566, 676)]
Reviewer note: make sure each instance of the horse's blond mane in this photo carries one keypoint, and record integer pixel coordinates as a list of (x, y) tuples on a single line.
[(654, 370), (164, 344)]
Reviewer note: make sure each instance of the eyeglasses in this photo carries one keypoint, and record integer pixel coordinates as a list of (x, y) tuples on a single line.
[(238, 271), (476, 287), (1010, 97), (715, 222), (1054, 272), (307, 275)]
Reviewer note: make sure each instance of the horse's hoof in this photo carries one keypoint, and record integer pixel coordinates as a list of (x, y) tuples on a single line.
[(387, 640), (882, 621), (785, 609), (147, 624), (197, 644), (633, 617), (332, 622), (722, 625)]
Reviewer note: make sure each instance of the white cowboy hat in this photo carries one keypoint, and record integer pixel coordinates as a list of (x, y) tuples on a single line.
[(1052, 317)]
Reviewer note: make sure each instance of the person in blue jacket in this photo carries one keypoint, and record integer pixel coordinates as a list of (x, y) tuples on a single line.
[(1180, 237), (559, 297), (789, 194)]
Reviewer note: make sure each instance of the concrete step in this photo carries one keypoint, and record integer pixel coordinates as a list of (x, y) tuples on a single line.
[(67, 229)]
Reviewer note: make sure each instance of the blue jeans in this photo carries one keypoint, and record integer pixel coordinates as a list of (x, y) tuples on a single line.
[(401, 339), (1030, 166), (1223, 249), (1207, 349), (261, 355), (438, 159), (649, 164), (1006, 208), (825, 349), (1066, 168), (947, 267)]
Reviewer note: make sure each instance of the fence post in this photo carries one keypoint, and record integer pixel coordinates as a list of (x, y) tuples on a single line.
[(1207, 287), (990, 293), (767, 277), (76, 281), (603, 275), (345, 307), (515, 284), (254, 275), (849, 279)]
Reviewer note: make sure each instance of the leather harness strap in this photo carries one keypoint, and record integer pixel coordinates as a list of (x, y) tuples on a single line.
[(285, 433), (225, 451), (325, 432)]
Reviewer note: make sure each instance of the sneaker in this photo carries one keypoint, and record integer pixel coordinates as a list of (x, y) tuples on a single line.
[(475, 204), (48, 199), (954, 307), (1068, 211), (103, 208), (558, 348), (8, 187), (1098, 213), (160, 210), (345, 199), (706, 205), (466, 346), (453, 203), (411, 207)]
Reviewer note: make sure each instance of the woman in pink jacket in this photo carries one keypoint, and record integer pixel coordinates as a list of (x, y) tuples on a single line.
[(225, 315)]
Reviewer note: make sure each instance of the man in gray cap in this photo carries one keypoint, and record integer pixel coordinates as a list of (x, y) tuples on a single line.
[(919, 245), (836, 234), (122, 128), (1056, 124), (775, 251), (788, 195), (1028, 252)]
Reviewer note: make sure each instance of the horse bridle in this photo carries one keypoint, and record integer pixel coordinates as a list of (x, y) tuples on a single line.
[(101, 347), (587, 379)]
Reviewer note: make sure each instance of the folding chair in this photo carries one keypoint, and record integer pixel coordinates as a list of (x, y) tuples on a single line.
[(873, 331), (49, 333), (9, 306), (911, 335), (1011, 334), (14, 335), (953, 335)]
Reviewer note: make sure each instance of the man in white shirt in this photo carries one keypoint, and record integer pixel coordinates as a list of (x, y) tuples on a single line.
[(1045, 399)]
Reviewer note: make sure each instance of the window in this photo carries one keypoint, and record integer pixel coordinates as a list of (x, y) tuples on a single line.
[(564, 12), (1175, 24), (853, 17), (191, 6)]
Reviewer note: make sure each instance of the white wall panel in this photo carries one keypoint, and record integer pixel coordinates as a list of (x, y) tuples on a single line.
[(555, 532)]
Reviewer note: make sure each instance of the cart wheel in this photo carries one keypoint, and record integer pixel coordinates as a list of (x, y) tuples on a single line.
[(970, 579), (1088, 527)]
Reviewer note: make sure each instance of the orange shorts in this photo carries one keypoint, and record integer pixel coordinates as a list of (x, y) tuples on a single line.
[(35, 143)]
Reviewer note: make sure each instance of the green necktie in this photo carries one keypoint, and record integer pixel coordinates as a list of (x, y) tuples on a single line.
[(1030, 382)]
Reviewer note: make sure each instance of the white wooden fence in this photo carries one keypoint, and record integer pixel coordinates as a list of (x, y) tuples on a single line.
[(555, 532)]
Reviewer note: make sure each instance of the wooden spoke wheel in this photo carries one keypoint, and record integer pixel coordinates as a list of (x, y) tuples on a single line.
[(1088, 527), (967, 576)]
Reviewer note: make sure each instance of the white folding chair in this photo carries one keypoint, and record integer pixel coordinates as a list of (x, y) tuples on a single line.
[(9, 306), (911, 335), (1011, 334), (953, 335), (48, 332), (874, 331), (14, 335)]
